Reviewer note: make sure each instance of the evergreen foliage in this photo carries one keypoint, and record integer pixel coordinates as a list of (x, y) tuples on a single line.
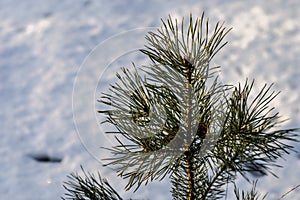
[(89, 187), (180, 121)]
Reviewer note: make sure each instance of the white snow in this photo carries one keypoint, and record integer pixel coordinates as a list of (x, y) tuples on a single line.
[(44, 43)]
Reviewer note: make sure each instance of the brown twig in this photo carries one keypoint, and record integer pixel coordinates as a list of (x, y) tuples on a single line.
[(294, 188)]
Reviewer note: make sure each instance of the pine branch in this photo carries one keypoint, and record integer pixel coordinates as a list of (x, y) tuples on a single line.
[(89, 188), (249, 195), (248, 141)]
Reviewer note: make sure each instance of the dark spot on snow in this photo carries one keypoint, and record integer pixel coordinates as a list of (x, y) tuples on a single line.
[(47, 14), (87, 3), (45, 158), (20, 30), (239, 71)]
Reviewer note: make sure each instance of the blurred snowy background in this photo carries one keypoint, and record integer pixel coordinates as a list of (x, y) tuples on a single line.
[(44, 43)]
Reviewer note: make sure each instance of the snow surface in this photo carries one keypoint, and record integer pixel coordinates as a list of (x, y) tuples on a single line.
[(44, 43)]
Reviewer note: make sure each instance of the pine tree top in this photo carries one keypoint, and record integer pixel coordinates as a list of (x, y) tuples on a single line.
[(180, 121)]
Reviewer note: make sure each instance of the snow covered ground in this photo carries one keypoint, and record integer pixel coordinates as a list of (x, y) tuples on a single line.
[(44, 43)]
